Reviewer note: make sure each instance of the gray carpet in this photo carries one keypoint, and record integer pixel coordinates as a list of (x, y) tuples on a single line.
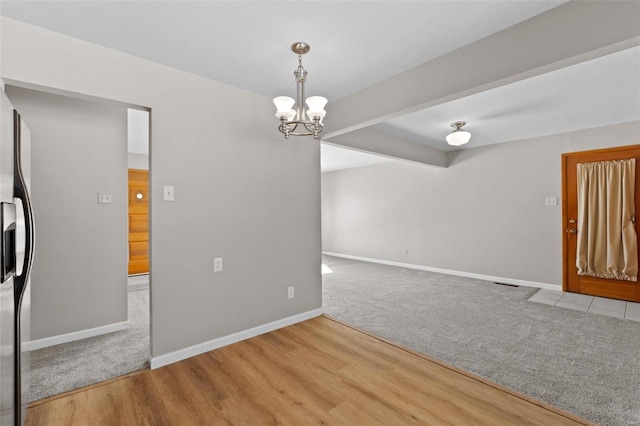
[(69, 366), (584, 363)]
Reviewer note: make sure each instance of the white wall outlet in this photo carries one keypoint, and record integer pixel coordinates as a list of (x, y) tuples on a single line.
[(551, 201), (406, 251), (290, 294), (169, 193), (217, 264), (104, 198)]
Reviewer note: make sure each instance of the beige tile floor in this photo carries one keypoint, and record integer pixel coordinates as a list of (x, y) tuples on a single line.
[(584, 303)]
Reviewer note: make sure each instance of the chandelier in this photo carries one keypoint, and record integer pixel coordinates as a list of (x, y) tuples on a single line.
[(301, 121)]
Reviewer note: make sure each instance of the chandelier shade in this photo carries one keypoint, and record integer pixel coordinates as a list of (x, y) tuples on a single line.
[(300, 121), (458, 136), (316, 107), (284, 105)]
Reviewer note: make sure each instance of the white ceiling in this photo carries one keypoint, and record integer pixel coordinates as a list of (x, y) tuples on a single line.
[(355, 44), (247, 43), (595, 93)]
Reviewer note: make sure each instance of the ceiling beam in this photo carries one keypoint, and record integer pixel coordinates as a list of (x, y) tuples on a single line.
[(369, 140), (574, 32)]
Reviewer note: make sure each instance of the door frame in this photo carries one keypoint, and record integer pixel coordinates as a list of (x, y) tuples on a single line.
[(604, 152)]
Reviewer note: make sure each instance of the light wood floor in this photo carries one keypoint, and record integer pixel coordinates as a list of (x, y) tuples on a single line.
[(315, 372)]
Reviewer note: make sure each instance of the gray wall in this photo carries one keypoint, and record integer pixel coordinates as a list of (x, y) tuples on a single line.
[(242, 192), (79, 148), (485, 214), (137, 161)]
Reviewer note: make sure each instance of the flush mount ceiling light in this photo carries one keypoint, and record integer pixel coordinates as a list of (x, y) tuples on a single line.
[(301, 121), (458, 136)]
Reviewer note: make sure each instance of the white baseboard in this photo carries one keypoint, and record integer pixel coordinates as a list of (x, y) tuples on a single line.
[(179, 355), (450, 272), (72, 337)]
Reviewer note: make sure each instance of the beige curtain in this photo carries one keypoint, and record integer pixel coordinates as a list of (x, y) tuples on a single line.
[(607, 241)]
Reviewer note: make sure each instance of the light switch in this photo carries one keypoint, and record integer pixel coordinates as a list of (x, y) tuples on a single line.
[(104, 198), (551, 201), (169, 193), (217, 264)]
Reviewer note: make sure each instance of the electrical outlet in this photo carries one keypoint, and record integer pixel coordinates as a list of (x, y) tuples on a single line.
[(290, 294), (104, 198), (217, 264), (406, 251)]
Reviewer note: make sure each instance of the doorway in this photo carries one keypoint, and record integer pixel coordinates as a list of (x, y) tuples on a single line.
[(587, 282), (86, 324)]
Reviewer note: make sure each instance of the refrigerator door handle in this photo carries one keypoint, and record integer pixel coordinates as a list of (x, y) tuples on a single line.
[(21, 193)]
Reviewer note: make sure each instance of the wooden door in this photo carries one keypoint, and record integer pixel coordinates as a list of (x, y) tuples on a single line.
[(615, 289), (138, 221)]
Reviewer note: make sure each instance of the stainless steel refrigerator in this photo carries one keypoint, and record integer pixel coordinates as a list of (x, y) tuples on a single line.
[(17, 240)]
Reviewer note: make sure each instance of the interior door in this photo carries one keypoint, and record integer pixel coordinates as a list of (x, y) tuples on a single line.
[(138, 221), (572, 282)]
